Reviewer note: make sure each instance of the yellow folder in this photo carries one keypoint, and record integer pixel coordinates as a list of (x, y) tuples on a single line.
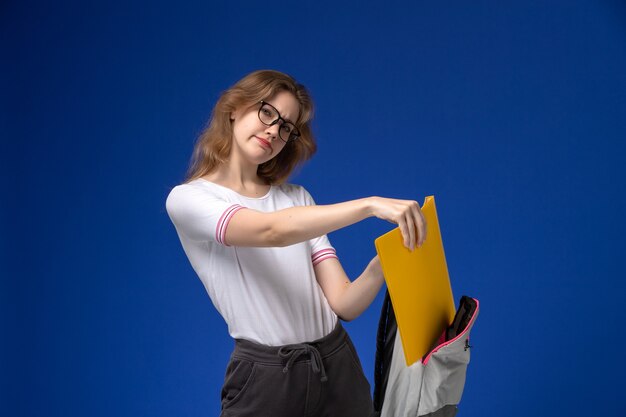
[(419, 286)]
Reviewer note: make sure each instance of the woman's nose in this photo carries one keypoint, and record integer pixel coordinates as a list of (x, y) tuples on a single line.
[(273, 130)]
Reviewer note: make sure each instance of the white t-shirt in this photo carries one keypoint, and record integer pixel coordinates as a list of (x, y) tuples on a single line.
[(266, 295)]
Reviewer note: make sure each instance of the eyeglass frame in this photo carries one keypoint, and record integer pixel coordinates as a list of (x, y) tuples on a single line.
[(292, 136)]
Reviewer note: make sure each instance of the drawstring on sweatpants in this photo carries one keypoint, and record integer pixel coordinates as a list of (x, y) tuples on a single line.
[(293, 352)]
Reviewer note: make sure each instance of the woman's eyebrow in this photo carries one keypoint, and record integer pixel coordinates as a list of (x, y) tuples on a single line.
[(281, 114), (284, 118)]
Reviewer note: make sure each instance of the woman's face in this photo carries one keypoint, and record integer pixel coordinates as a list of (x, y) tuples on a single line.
[(256, 142)]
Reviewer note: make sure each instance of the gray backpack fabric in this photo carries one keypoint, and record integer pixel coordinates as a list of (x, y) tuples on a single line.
[(431, 387)]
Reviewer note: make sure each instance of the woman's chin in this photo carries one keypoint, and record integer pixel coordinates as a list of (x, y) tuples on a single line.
[(260, 159)]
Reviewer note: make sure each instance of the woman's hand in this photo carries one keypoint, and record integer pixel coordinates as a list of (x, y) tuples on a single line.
[(406, 214)]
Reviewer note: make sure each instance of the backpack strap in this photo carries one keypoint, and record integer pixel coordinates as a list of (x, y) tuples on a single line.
[(385, 338)]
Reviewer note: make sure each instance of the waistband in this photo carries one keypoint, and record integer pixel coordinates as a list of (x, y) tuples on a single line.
[(246, 349), (287, 355)]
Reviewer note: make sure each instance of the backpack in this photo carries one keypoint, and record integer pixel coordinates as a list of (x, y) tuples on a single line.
[(432, 386)]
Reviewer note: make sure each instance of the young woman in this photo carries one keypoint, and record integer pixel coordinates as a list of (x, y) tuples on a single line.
[(259, 246)]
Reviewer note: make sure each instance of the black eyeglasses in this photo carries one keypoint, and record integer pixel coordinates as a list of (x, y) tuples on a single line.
[(269, 116)]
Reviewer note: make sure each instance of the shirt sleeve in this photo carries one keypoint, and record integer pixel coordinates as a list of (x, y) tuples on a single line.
[(198, 214), (321, 249)]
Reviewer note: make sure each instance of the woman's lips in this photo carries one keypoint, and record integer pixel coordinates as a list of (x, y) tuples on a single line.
[(264, 143)]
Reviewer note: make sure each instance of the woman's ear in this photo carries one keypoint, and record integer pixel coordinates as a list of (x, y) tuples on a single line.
[(233, 115)]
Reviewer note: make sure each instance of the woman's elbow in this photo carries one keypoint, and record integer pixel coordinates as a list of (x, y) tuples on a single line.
[(345, 314), (345, 318), (278, 235), (273, 238)]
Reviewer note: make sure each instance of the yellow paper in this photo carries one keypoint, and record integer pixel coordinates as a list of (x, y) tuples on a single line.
[(419, 286)]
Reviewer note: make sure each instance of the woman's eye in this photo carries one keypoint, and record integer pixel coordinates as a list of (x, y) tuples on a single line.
[(266, 112), (286, 128)]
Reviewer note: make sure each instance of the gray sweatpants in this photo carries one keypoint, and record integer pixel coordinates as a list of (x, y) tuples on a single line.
[(313, 379)]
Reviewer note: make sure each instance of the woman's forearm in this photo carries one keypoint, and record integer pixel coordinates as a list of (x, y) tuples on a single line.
[(360, 293), (297, 224)]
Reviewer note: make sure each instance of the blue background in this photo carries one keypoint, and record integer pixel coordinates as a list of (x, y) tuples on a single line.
[(512, 113)]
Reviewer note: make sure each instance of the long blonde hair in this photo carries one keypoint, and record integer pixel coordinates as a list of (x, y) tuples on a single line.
[(214, 144)]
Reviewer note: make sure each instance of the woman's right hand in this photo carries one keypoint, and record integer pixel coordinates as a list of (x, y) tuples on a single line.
[(406, 214)]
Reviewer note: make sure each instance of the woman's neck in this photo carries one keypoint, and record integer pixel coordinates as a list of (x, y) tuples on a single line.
[(243, 181)]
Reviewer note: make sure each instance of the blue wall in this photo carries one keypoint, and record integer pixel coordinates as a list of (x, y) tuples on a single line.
[(511, 113)]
